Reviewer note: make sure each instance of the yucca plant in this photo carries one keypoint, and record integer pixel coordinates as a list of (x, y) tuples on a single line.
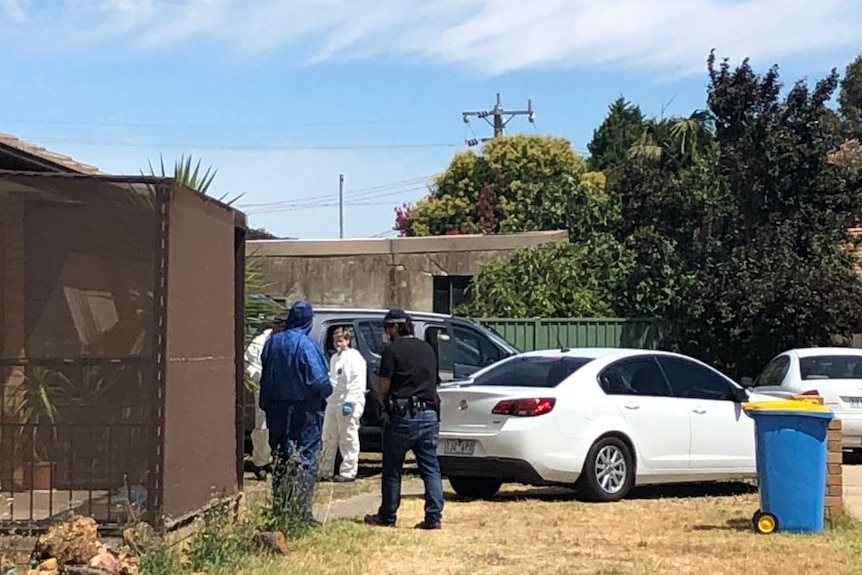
[(190, 175)]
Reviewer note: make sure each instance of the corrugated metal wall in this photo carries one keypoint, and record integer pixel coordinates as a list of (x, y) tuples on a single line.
[(548, 333)]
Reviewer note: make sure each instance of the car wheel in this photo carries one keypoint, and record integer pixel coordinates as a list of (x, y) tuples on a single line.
[(475, 487), (608, 472)]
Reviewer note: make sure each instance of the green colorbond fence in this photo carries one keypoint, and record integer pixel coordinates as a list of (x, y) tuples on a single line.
[(549, 333)]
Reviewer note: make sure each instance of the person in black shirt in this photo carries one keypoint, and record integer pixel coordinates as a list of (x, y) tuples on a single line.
[(407, 388)]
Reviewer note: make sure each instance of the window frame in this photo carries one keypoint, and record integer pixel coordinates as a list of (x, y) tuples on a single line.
[(510, 363), (728, 384), (788, 362), (481, 340), (632, 359)]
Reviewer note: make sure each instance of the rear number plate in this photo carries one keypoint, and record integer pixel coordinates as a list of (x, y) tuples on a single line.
[(856, 402), (459, 447)]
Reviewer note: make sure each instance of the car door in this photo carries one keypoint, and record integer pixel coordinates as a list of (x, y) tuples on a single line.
[(369, 338), (722, 436), (438, 336), (471, 350), (658, 424)]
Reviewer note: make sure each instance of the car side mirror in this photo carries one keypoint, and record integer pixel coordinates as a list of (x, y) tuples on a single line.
[(740, 395)]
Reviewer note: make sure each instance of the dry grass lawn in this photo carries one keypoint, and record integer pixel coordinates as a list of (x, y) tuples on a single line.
[(546, 532)]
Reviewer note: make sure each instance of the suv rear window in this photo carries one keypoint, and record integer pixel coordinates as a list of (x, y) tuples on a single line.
[(532, 371), (831, 367)]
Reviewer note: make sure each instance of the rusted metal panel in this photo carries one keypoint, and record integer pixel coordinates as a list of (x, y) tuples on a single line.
[(239, 347), (161, 247), (199, 438), (125, 294), (76, 364)]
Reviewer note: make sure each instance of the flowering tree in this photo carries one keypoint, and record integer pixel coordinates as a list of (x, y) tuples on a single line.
[(514, 184)]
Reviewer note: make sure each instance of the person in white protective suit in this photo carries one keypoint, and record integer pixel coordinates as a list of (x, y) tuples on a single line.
[(347, 372), (261, 455)]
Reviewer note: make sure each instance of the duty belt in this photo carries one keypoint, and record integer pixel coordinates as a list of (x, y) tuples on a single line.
[(402, 406)]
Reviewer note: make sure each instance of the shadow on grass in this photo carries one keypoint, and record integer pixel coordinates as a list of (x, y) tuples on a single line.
[(675, 491), (735, 524)]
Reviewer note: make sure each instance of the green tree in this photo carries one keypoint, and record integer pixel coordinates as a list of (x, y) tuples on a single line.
[(850, 99), (557, 279), (678, 140), (515, 184), (774, 263), (621, 129)]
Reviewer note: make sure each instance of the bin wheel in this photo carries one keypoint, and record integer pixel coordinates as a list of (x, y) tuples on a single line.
[(764, 523)]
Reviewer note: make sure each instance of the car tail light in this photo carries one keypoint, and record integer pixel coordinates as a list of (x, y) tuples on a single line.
[(525, 407), (810, 392)]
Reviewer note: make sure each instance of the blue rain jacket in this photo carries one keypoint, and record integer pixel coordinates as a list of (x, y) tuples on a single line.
[(294, 366)]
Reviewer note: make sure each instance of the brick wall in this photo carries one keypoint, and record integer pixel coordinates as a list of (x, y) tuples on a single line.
[(834, 507)]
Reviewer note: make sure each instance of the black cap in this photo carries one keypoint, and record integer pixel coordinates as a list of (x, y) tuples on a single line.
[(396, 316)]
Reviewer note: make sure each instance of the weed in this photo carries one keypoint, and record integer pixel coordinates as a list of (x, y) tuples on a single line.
[(292, 493), (222, 541), (161, 561), (225, 538)]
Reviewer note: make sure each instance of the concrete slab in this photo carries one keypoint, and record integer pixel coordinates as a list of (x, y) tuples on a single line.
[(358, 505), (852, 478)]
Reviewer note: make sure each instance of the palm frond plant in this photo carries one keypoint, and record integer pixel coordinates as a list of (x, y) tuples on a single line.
[(37, 408), (189, 174)]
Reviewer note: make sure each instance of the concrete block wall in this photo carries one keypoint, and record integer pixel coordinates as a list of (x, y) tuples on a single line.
[(834, 505)]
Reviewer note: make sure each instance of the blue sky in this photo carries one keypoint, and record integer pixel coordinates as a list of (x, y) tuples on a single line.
[(283, 95)]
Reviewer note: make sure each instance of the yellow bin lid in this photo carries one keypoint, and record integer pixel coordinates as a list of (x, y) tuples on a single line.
[(808, 404)]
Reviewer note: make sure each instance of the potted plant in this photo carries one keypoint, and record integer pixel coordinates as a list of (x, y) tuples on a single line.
[(35, 410)]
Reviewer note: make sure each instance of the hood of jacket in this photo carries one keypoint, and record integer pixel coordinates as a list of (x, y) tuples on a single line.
[(301, 316)]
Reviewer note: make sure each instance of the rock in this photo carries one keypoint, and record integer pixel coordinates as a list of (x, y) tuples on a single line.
[(49, 565), (139, 537), (106, 562), (80, 570), (130, 565), (273, 541), (73, 542)]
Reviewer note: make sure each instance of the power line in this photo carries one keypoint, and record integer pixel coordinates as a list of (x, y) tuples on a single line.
[(498, 123), (325, 202), (95, 123), (328, 201), (364, 193), (272, 147)]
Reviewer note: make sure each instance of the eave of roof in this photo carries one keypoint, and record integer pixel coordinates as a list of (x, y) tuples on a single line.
[(42, 156)]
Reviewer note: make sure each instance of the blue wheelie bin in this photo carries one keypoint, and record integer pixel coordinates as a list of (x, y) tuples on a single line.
[(790, 440)]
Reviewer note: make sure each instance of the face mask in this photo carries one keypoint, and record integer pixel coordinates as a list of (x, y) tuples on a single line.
[(342, 345)]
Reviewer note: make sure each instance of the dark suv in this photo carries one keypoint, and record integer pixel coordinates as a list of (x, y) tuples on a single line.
[(462, 346)]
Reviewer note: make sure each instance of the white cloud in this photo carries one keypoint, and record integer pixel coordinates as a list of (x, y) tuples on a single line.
[(489, 36), (13, 10)]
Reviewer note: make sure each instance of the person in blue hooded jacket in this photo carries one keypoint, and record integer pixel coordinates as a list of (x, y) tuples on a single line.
[(294, 385)]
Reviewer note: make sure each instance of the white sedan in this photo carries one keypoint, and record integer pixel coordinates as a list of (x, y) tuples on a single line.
[(599, 420), (833, 373)]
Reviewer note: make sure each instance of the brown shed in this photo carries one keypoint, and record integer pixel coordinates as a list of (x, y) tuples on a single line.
[(121, 333)]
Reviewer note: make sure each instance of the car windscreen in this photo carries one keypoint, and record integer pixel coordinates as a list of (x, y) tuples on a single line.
[(831, 367), (531, 371)]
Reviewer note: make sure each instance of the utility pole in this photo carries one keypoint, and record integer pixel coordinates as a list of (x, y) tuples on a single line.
[(341, 206), (498, 123)]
